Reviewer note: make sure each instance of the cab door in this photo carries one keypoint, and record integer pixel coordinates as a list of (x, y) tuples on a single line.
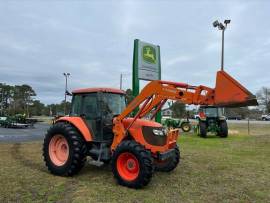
[(91, 114)]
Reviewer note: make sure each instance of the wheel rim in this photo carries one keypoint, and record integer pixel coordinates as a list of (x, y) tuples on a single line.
[(186, 128), (58, 150), (128, 166)]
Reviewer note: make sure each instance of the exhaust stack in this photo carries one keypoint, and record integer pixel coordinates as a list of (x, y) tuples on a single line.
[(230, 93)]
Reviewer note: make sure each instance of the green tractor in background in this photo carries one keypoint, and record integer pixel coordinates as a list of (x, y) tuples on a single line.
[(17, 121), (211, 119), (176, 123)]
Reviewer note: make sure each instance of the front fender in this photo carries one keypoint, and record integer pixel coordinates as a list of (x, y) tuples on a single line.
[(79, 124)]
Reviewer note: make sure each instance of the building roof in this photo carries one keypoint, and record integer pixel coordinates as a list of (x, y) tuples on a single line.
[(99, 89)]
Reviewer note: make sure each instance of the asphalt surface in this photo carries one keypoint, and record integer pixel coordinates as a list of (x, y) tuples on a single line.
[(240, 121), (251, 121), (24, 134), (11, 135)]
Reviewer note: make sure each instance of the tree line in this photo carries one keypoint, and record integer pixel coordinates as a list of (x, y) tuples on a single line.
[(20, 99)]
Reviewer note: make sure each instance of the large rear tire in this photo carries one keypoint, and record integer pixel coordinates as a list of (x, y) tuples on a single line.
[(223, 129), (169, 164), (132, 164), (202, 129), (64, 150)]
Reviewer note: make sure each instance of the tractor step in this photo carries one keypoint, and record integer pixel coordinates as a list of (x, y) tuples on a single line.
[(96, 163)]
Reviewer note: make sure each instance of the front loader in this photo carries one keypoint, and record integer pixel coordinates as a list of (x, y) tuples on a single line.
[(100, 126)]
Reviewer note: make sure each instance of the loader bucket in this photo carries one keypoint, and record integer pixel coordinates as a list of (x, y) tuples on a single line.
[(230, 93)]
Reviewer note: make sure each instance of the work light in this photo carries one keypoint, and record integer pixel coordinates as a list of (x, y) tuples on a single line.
[(216, 23)]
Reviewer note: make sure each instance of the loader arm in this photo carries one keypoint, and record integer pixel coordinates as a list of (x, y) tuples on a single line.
[(228, 92)]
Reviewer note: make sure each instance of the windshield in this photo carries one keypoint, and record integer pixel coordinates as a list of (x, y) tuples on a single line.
[(113, 103), (213, 112)]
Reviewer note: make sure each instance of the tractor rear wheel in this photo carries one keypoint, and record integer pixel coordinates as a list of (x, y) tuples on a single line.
[(169, 164), (202, 129), (186, 127), (223, 129), (64, 150), (132, 164)]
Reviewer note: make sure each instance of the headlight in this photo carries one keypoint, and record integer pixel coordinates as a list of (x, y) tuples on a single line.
[(159, 132)]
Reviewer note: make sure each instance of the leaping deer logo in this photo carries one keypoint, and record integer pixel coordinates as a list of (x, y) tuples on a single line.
[(149, 54)]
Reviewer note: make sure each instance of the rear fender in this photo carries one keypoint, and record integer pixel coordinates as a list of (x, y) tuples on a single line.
[(78, 123)]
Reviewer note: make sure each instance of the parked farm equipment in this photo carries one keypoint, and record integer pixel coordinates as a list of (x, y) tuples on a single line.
[(176, 123), (212, 120), (100, 126), (17, 121)]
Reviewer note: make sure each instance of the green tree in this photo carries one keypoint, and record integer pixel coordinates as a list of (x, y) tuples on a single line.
[(178, 109), (6, 94), (242, 112), (37, 108), (57, 109), (22, 98), (129, 95), (263, 96)]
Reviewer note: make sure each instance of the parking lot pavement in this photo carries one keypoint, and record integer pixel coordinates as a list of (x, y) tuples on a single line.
[(240, 121), (24, 134), (37, 133)]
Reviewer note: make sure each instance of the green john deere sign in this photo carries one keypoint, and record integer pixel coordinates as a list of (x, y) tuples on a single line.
[(146, 65), (149, 54), (147, 61)]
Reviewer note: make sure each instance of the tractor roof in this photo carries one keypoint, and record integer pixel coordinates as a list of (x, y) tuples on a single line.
[(99, 89)]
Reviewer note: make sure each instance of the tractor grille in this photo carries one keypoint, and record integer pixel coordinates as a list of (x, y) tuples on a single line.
[(153, 139)]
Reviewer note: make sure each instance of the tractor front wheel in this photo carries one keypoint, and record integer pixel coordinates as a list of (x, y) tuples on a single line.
[(132, 164), (64, 150), (170, 163)]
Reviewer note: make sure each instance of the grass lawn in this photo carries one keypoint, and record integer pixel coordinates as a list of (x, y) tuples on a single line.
[(236, 169)]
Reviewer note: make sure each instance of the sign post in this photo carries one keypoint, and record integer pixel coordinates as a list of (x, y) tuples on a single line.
[(146, 66)]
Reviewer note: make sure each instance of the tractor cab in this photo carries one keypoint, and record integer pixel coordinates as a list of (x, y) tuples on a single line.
[(211, 112), (97, 107)]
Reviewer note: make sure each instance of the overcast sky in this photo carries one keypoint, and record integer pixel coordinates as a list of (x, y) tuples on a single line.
[(93, 40)]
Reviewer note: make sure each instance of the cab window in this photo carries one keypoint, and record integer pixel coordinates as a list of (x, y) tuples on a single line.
[(90, 108), (76, 105)]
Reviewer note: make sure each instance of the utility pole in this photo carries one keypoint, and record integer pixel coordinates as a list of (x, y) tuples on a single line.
[(222, 27), (266, 100), (65, 104), (122, 75), (2, 100), (121, 79)]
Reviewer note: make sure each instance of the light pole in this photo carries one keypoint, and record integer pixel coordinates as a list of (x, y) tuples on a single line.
[(121, 79), (65, 104), (122, 75), (222, 27)]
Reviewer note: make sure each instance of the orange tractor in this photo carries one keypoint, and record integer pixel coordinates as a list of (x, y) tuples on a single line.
[(100, 126)]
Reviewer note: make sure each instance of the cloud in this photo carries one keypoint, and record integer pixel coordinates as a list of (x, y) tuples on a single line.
[(94, 42), (177, 60), (213, 47)]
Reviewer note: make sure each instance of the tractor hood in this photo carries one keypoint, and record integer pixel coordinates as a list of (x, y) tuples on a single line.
[(230, 93), (140, 122)]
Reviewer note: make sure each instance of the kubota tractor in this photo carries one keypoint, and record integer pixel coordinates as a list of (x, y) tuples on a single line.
[(100, 126)]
